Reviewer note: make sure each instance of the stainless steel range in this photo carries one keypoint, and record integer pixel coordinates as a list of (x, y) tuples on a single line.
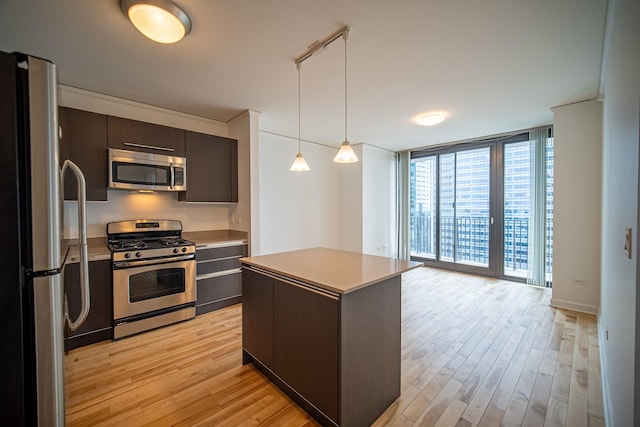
[(154, 275)]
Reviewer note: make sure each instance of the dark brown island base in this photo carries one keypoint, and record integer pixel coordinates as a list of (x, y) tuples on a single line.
[(324, 326)]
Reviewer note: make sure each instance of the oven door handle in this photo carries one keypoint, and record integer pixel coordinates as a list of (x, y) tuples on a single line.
[(136, 263)]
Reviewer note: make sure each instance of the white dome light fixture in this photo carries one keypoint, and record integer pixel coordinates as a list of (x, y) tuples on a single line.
[(431, 119), (162, 21)]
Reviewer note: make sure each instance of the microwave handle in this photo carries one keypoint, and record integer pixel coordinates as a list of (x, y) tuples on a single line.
[(85, 294), (173, 177)]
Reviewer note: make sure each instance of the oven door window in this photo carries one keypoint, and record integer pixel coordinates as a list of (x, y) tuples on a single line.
[(137, 173), (156, 283)]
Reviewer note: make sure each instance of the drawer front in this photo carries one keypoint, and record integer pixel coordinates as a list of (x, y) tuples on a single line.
[(219, 288), (217, 265), (224, 252)]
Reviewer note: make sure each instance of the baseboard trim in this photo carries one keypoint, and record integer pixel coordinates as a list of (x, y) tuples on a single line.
[(575, 306)]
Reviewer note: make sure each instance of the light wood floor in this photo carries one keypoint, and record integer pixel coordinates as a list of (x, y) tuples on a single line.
[(475, 351)]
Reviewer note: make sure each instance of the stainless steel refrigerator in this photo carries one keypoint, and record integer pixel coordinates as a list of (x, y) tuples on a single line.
[(32, 300)]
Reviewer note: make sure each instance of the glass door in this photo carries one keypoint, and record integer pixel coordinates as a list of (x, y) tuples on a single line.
[(423, 207), (465, 206), (486, 207)]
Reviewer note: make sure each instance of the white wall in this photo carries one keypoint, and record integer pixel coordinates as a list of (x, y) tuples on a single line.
[(351, 197), (343, 206), (577, 205), (123, 205), (244, 128), (379, 235), (619, 298), (297, 209)]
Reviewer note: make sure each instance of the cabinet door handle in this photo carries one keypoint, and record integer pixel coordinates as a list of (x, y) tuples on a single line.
[(150, 147), (219, 274)]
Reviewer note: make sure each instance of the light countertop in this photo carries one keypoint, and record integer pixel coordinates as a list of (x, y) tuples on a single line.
[(97, 246), (96, 249), (331, 269), (215, 238)]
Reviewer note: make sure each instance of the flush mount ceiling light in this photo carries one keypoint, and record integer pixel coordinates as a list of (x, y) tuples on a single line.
[(299, 164), (346, 154), (431, 119), (162, 21)]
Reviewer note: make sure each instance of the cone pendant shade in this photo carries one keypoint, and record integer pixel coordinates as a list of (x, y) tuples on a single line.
[(345, 154), (299, 164)]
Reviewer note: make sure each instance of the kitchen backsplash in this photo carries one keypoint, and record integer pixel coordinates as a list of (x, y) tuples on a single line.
[(124, 205)]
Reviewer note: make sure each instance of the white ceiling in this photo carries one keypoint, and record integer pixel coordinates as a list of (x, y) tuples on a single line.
[(494, 65)]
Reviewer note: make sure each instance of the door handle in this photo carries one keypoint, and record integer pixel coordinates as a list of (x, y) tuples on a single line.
[(85, 294)]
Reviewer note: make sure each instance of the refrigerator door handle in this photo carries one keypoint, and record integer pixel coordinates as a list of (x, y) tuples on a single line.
[(85, 294)]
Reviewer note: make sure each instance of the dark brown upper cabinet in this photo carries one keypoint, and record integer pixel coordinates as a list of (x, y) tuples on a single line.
[(84, 142), (212, 169), (133, 135)]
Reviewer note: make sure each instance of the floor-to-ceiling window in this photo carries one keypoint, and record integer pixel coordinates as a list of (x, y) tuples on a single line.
[(473, 206), (423, 206), (464, 206)]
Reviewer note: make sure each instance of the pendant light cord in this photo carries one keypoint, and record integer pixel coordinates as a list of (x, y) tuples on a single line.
[(299, 143), (345, 84)]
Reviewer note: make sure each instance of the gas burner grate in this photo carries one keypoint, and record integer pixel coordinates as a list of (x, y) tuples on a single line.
[(130, 244), (172, 241)]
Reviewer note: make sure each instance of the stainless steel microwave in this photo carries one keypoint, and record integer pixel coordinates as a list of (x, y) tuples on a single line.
[(133, 170)]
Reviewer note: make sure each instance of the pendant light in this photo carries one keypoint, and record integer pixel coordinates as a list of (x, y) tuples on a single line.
[(299, 164), (162, 21), (345, 154)]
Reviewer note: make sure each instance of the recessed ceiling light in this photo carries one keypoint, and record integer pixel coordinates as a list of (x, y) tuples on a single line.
[(162, 21), (431, 119)]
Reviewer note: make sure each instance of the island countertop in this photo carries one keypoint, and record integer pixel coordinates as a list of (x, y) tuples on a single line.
[(332, 269)]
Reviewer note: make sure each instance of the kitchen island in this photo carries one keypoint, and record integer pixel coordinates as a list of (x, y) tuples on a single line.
[(324, 326)]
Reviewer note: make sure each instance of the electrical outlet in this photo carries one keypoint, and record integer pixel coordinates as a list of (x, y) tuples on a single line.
[(580, 282)]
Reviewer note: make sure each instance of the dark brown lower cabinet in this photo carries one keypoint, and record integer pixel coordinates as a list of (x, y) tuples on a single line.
[(99, 324), (257, 317), (218, 277), (336, 355), (305, 343), (217, 292)]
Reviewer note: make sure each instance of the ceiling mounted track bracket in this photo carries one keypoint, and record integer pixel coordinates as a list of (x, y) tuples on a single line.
[(318, 46)]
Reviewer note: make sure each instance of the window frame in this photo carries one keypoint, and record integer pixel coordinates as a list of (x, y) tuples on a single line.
[(495, 266)]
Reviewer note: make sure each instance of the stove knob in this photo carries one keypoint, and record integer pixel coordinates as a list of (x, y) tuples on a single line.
[(138, 254), (127, 255), (184, 249), (175, 250)]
